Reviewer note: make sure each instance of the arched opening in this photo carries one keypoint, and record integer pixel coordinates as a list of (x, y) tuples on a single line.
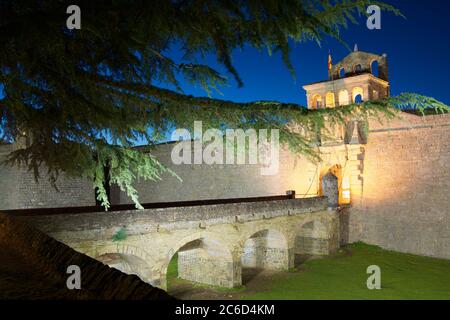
[(331, 185), (374, 67), (358, 68), (341, 73), (330, 188), (265, 249), (127, 263), (329, 100), (357, 95), (204, 261), (316, 102), (343, 98), (358, 98)]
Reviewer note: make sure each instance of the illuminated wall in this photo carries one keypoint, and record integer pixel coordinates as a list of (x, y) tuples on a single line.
[(202, 181), (405, 202)]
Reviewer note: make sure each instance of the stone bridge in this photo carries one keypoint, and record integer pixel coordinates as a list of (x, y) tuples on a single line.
[(213, 242)]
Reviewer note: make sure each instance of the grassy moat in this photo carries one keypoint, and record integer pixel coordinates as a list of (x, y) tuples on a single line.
[(339, 276)]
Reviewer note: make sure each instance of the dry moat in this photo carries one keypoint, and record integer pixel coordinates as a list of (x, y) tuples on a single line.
[(339, 276)]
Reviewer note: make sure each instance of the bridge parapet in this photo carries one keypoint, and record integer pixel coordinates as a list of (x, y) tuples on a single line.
[(101, 225)]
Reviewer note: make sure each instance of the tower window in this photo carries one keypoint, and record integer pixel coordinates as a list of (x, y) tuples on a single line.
[(329, 100), (358, 68), (343, 97), (317, 102), (357, 94), (374, 68)]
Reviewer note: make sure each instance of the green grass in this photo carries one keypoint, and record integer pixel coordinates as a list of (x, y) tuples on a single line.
[(172, 269), (343, 276)]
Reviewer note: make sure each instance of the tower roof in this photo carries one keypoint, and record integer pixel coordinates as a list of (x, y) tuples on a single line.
[(356, 63)]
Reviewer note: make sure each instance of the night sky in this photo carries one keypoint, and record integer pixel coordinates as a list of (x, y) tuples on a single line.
[(418, 50)]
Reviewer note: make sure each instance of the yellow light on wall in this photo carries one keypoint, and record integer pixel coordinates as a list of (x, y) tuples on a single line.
[(346, 190)]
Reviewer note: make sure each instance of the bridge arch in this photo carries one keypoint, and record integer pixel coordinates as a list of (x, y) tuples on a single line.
[(267, 248), (204, 259), (128, 259)]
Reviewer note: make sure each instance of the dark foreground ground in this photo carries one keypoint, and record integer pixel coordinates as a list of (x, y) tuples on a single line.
[(340, 276), (33, 266)]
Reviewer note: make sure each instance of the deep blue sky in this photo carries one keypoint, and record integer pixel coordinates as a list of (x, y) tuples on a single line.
[(418, 50)]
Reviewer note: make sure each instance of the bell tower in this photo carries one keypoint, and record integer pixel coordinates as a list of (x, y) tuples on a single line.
[(360, 76)]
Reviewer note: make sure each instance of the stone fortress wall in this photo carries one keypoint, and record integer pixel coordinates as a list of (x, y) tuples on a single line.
[(19, 189), (405, 204)]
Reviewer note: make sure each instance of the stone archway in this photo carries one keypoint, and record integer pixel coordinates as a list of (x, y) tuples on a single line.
[(205, 260), (127, 263), (330, 184), (330, 189), (266, 249)]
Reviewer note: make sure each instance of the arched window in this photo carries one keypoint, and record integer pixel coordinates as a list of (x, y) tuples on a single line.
[(374, 68), (342, 73), (358, 68), (343, 97), (329, 100), (316, 102), (357, 94)]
